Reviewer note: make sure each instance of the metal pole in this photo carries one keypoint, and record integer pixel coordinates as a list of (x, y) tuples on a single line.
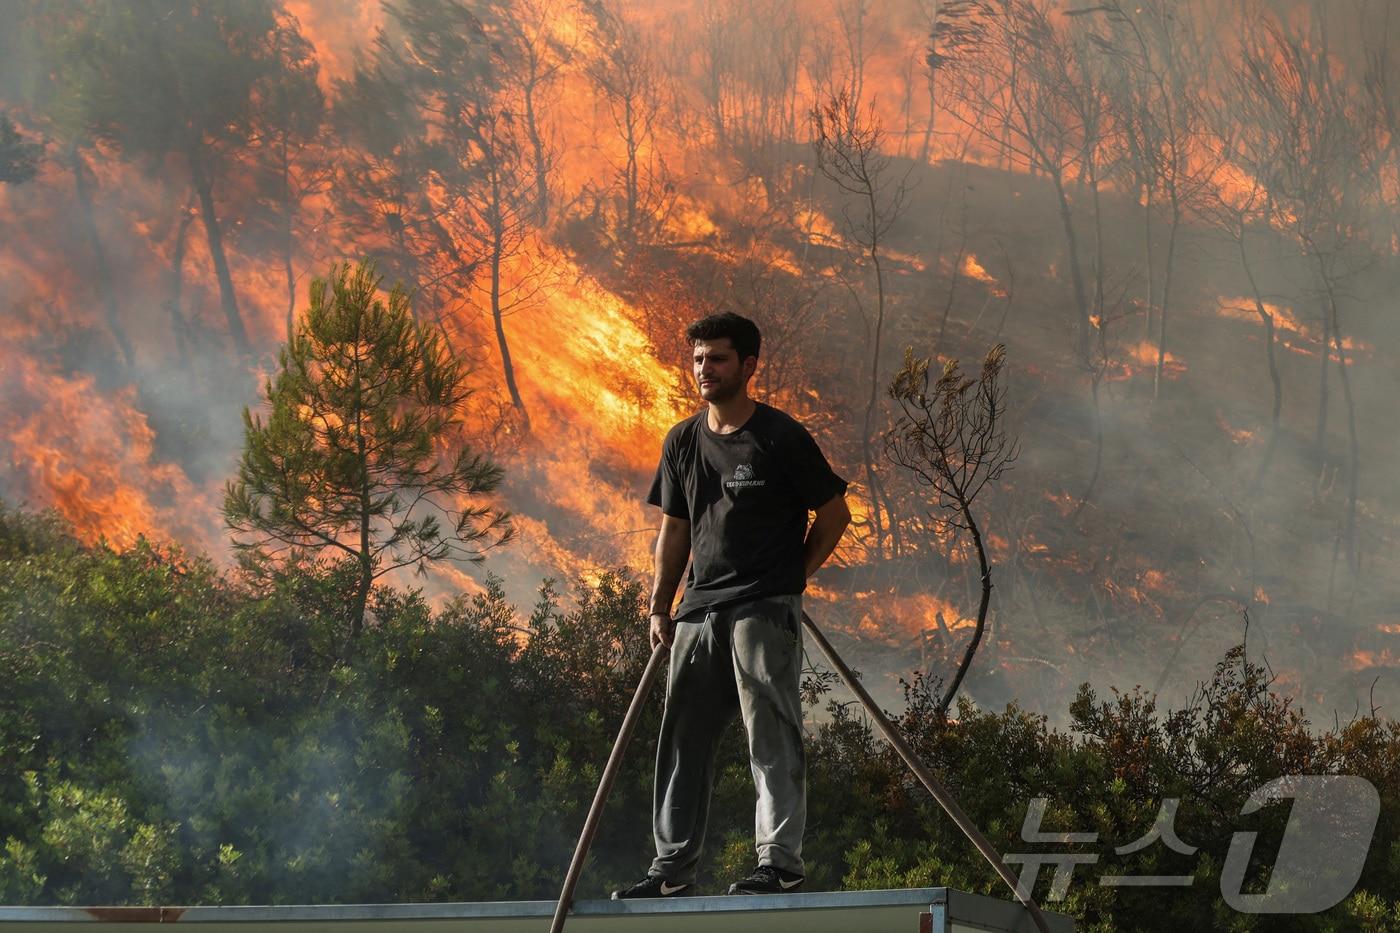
[(935, 787), (595, 812)]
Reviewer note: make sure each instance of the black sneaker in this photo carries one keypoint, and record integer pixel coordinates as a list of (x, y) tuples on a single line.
[(650, 886), (766, 879)]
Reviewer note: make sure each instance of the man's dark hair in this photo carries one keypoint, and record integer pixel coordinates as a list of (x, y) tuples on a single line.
[(742, 332)]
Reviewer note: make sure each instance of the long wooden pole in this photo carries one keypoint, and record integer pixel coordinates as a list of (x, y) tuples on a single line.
[(935, 787), (595, 812)]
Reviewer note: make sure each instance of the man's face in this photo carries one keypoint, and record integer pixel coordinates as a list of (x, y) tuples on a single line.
[(719, 374)]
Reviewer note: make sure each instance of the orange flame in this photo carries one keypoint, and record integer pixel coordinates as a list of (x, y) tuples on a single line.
[(89, 454), (1291, 332)]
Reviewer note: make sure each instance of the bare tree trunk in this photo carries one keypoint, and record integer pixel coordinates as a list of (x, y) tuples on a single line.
[(1354, 450), (1320, 436), (1076, 275), (631, 177), (927, 144), (1004, 149), (1095, 372), (852, 15), (1097, 409), (540, 159), (868, 427), (1269, 337), (986, 577), (178, 322), (906, 107), (291, 279), (106, 292), (957, 270), (227, 299), (365, 555), (856, 167), (1098, 238), (1009, 288), (289, 219), (1148, 320), (876, 490), (508, 367), (1166, 299)]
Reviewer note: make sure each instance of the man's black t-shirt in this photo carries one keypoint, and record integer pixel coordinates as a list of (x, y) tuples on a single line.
[(746, 495)]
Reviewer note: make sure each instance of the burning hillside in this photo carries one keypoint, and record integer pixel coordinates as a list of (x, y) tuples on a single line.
[(1180, 218)]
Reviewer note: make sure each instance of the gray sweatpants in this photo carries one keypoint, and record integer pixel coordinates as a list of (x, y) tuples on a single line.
[(744, 658)]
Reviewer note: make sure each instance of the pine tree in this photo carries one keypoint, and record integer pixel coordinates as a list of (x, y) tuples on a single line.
[(360, 453)]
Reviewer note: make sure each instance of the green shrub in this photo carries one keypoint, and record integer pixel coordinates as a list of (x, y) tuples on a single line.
[(177, 735)]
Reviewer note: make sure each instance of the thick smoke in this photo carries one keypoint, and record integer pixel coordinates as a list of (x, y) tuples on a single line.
[(1133, 540)]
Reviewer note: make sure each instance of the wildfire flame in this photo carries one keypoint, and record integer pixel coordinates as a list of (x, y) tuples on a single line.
[(974, 270), (1295, 335), (99, 470), (1236, 435), (598, 392), (887, 617)]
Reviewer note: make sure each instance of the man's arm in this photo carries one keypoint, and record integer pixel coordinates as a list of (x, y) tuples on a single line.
[(827, 528), (672, 550)]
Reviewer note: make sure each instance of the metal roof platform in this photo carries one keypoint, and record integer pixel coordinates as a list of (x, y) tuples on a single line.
[(937, 910)]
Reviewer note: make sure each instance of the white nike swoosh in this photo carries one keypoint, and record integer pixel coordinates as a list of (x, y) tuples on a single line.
[(667, 890), (789, 884)]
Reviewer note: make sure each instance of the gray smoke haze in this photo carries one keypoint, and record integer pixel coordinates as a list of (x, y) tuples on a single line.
[(1148, 582)]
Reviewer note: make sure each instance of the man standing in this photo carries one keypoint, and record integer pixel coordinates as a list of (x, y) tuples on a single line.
[(735, 484)]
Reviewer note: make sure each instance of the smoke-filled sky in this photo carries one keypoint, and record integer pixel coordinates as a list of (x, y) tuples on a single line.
[(1179, 218)]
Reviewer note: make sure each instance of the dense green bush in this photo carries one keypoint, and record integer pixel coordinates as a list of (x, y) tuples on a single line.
[(172, 734), (1109, 776)]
